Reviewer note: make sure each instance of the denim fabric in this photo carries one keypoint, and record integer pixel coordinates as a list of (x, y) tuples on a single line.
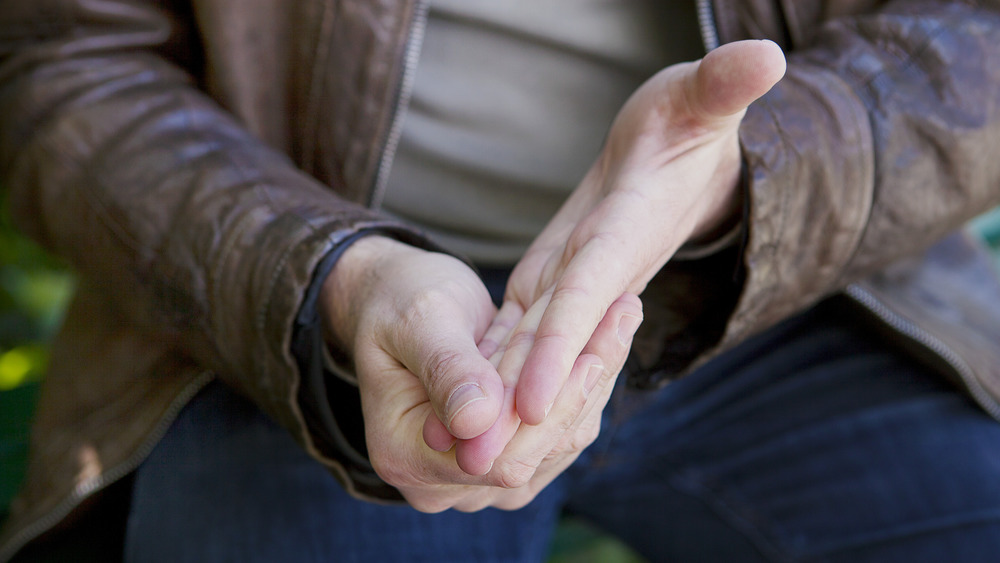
[(815, 441)]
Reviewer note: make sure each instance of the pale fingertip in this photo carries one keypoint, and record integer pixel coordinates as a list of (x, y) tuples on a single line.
[(477, 455), (532, 417), (472, 462), (436, 436), (627, 326), (593, 376), (463, 396)]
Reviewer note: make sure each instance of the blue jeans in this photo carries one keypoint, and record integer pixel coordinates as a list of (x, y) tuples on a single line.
[(815, 441)]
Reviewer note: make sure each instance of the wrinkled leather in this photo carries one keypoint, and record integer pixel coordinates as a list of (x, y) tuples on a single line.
[(194, 161)]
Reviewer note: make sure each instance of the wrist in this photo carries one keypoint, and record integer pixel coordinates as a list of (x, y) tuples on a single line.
[(725, 202), (347, 289)]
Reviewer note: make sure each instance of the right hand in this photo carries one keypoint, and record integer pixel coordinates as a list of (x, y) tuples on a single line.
[(412, 322)]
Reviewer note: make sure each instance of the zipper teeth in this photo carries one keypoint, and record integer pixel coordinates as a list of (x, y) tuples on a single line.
[(706, 22), (912, 331), (90, 486), (411, 56)]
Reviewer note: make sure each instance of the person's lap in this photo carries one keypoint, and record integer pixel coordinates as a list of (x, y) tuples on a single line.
[(814, 441)]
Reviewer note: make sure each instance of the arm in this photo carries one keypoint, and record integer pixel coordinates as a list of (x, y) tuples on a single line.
[(873, 147), (200, 234), (887, 119)]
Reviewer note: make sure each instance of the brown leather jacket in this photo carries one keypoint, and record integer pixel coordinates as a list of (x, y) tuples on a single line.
[(195, 159)]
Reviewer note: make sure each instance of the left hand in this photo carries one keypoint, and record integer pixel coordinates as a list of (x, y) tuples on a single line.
[(668, 174)]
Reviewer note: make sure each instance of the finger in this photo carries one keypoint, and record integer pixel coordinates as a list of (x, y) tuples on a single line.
[(476, 456), (612, 340), (438, 345), (592, 281), (499, 331), (518, 463), (393, 420), (465, 390), (436, 435), (732, 76), (478, 499), (431, 500), (586, 391)]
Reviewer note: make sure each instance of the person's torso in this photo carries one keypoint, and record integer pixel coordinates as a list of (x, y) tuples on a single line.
[(510, 105)]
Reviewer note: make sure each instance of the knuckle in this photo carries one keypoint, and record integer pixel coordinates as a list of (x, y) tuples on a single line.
[(566, 424), (387, 468), (473, 504), (514, 474), (571, 292), (585, 437), (429, 504), (575, 442), (421, 306), (521, 339), (514, 500), (438, 367)]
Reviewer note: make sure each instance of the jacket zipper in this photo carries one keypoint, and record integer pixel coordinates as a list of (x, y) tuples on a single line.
[(920, 336), (91, 486), (410, 57), (706, 23)]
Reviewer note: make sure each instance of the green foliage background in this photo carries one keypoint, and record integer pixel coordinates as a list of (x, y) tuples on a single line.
[(34, 290)]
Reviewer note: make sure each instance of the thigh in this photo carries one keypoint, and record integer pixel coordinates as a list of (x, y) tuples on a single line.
[(226, 484), (814, 442)]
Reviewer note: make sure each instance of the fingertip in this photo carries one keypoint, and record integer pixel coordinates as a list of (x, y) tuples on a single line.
[(472, 408), (532, 408), (476, 456), (632, 303), (736, 74), (436, 436), (627, 304), (471, 460), (772, 60)]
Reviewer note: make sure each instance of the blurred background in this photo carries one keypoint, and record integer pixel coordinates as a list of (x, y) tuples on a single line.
[(34, 291)]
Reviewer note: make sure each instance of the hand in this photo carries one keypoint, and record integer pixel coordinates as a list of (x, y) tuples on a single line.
[(411, 322), (667, 174), (513, 452)]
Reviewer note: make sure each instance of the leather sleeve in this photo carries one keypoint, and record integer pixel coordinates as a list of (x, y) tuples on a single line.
[(880, 140), (202, 235)]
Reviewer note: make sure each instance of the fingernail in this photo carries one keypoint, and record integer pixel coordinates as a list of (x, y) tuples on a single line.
[(627, 326), (462, 397), (548, 407), (593, 376), (451, 444)]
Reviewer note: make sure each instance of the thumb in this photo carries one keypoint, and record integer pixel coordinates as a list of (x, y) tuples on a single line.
[(733, 76), (464, 388)]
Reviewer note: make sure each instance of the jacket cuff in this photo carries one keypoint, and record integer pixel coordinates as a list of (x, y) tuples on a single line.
[(328, 394), (346, 435)]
